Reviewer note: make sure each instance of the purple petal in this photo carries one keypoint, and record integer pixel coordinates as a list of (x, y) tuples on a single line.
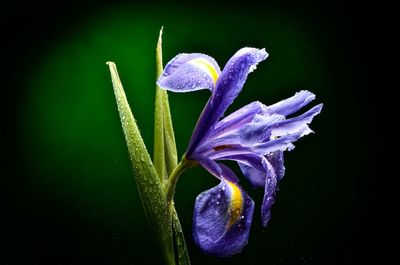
[(220, 171), (228, 86), (238, 118), (282, 143), (189, 72), (292, 104), (269, 195), (210, 165), (222, 219), (258, 130), (298, 123), (253, 167), (228, 174), (232, 150), (277, 162), (233, 77)]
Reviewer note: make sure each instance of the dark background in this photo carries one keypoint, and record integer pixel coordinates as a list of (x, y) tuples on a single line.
[(69, 193)]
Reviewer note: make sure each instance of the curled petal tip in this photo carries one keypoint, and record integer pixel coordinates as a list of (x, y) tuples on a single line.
[(188, 72)]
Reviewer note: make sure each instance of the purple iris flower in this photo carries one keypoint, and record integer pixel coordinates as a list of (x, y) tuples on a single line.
[(255, 136)]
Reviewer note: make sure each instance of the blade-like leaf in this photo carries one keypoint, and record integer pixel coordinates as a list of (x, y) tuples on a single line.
[(168, 152), (171, 157), (183, 255), (165, 154), (159, 151), (148, 183)]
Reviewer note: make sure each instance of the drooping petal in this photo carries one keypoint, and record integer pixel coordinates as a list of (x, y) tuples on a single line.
[(209, 164), (277, 161), (218, 170), (253, 167), (255, 176), (228, 86), (294, 124), (228, 174), (189, 72), (292, 104), (222, 219), (271, 184), (262, 172)]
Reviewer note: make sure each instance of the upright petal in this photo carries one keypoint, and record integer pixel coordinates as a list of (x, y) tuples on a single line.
[(222, 219), (189, 72), (228, 86), (292, 104), (233, 77)]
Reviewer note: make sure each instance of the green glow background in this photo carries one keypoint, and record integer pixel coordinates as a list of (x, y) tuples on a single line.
[(74, 199)]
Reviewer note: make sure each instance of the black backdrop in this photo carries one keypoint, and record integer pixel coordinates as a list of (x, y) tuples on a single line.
[(342, 222)]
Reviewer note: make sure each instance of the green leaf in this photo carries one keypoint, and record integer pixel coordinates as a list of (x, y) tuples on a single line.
[(183, 255), (168, 152), (150, 188), (165, 154), (159, 151), (171, 157)]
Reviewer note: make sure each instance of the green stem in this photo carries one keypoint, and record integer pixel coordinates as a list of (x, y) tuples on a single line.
[(173, 179)]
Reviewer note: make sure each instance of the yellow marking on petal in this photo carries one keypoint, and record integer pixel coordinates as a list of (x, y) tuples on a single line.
[(207, 67), (236, 204)]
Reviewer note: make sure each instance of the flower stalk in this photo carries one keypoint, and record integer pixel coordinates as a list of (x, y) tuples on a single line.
[(173, 178)]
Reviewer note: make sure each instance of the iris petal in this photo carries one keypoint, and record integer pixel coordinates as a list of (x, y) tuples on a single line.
[(190, 72), (253, 167), (222, 219), (209, 164), (292, 104), (282, 143), (298, 123), (277, 161), (238, 118), (271, 184), (233, 77), (228, 86), (256, 131)]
